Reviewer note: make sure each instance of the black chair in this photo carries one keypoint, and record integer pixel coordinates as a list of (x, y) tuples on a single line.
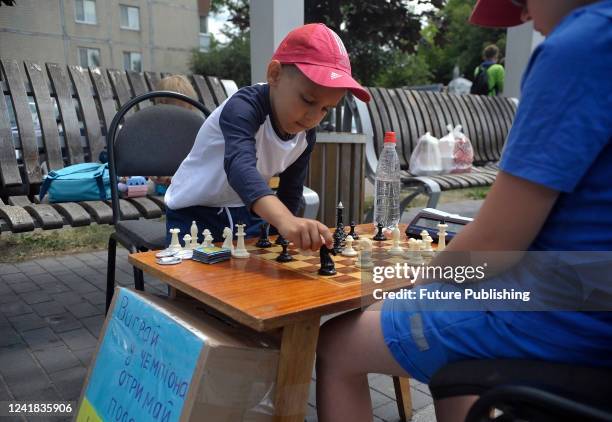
[(527, 390), (152, 142)]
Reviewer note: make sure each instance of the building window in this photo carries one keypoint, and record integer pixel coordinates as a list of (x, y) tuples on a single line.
[(89, 57), (132, 61), (203, 24), (85, 11), (130, 18)]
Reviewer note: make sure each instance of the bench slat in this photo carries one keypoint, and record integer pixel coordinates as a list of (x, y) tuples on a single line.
[(139, 86), (217, 89), (44, 214), (384, 118), (46, 115), (468, 126), (127, 210), (479, 129), (158, 200), (23, 115), (9, 170), (74, 214), (395, 123), (414, 117), (84, 90), (486, 120), (204, 93), (421, 112), (104, 93), (330, 178), (152, 79), (100, 211), (120, 86), (404, 143), (146, 207), (63, 92), (493, 117), (435, 113), (18, 219), (316, 174), (377, 125), (357, 163)]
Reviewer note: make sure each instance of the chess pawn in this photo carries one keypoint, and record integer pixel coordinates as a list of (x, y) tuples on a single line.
[(414, 253), (353, 233), (442, 236), (174, 241), (396, 249), (348, 250), (205, 233), (424, 234), (228, 239), (194, 234), (208, 241), (263, 241), (365, 255), (187, 241), (428, 252)]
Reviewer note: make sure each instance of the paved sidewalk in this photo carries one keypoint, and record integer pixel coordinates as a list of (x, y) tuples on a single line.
[(51, 311)]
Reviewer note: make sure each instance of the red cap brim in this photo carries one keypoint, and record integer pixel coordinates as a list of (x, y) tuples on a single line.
[(496, 14), (333, 78)]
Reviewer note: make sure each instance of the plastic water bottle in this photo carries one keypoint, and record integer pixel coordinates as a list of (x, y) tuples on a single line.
[(387, 185)]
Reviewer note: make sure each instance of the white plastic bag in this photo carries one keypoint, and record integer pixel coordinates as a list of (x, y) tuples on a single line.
[(425, 160), (447, 151), (463, 153)]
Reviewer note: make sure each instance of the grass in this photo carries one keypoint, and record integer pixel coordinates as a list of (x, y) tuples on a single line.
[(37, 244)]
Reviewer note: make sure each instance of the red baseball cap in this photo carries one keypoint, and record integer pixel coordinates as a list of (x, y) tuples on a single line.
[(321, 56), (496, 14)]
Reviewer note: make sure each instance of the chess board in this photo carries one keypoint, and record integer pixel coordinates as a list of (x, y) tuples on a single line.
[(347, 272)]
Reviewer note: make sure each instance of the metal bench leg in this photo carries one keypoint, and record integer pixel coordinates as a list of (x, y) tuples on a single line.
[(138, 279), (110, 270), (311, 203)]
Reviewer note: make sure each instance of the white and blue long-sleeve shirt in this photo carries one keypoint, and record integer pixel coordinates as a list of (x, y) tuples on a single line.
[(236, 152)]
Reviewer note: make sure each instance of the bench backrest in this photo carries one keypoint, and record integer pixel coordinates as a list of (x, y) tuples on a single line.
[(58, 115), (485, 120)]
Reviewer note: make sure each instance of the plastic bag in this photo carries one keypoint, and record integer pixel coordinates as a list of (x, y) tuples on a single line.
[(463, 153), (425, 159), (447, 151)]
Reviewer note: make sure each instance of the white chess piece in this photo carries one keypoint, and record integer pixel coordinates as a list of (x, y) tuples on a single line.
[(365, 255), (396, 249), (442, 236), (174, 241), (348, 250), (240, 251), (428, 252), (228, 239), (208, 241), (194, 235), (424, 234), (414, 257), (187, 241)]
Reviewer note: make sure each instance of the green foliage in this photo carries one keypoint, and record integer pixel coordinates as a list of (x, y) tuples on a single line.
[(405, 70), (230, 61), (449, 39)]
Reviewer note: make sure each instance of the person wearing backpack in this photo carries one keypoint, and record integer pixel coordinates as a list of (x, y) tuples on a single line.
[(489, 75)]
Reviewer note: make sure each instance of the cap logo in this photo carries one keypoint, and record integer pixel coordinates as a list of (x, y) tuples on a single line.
[(334, 75), (339, 42)]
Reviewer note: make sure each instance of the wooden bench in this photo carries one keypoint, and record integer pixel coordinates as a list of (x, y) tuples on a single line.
[(410, 113), (58, 116)]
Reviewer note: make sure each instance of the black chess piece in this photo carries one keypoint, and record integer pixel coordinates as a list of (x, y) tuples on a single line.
[(380, 236), (284, 256), (339, 237), (279, 240), (263, 241), (327, 263), (353, 233)]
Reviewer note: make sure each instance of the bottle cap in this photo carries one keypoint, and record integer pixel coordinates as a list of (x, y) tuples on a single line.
[(389, 137)]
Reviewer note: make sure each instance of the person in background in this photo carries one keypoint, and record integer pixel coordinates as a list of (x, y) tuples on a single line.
[(489, 75)]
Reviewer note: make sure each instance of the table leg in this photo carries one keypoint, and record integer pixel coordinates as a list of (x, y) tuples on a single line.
[(298, 347), (403, 397)]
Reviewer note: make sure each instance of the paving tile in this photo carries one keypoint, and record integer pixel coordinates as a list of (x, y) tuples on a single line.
[(25, 286), (69, 382), (420, 399), (15, 278), (383, 384), (20, 371), (38, 296), (9, 337), (48, 308), (85, 355), (8, 298), (67, 298), (95, 298), (43, 278), (27, 322), (8, 269), (78, 339), (83, 310), (54, 287), (63, 322), (94, 324), (30, 268), (56, 358), (388, 412), (41, 338)]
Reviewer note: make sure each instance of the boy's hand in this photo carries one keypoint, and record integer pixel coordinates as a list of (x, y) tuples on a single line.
[(305, 233)]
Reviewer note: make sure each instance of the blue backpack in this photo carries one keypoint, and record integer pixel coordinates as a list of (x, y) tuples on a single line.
[(79, 182)]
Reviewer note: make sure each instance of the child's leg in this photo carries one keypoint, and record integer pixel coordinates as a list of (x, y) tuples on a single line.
[(350, 346)]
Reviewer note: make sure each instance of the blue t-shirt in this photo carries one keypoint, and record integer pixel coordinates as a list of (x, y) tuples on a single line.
[(562, 139)]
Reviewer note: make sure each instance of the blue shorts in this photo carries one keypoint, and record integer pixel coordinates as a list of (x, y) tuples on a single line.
[(423, 341), (214, 219)]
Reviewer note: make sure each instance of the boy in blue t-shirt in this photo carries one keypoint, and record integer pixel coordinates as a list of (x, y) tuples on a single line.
[(553, 193), (262, 131)]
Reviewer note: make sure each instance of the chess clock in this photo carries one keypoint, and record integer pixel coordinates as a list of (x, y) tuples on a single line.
[(429, 218)]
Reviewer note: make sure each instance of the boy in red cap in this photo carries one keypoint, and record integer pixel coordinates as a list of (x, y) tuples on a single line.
[(550, 205), (262, 131)]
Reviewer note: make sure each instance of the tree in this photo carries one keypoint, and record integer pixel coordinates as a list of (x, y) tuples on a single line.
[(231, 61), (449, 40)]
